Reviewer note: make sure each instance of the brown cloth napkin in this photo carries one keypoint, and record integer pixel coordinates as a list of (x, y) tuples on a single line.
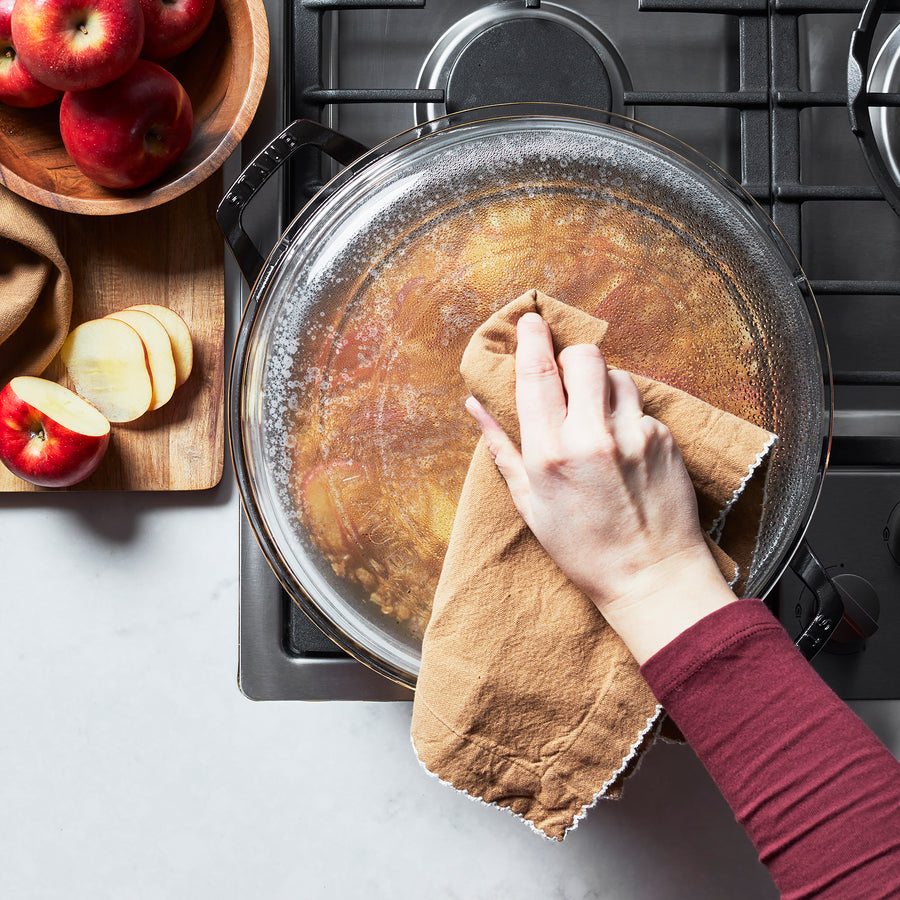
[(35, 290), (526, 698)]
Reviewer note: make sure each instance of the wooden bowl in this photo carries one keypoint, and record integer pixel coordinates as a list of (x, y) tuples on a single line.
[(223, 74)]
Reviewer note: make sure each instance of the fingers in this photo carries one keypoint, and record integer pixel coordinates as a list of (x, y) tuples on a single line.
[(635, 433), (625, 398), (504, 453), (568, 398), (587, 382), (604, 406), (540, 399), (594, 391)]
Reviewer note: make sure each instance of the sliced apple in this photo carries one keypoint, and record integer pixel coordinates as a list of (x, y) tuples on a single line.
[(48, 435), (179, 335), (107, 363), (159, 352), (331, 492)]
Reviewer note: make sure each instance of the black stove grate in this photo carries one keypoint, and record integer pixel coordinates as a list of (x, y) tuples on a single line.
[(769, 102)]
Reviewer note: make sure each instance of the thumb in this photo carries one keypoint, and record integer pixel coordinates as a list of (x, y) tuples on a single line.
[(505, 454)]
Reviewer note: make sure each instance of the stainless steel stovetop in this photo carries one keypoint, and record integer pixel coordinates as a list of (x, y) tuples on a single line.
[(653, 50)]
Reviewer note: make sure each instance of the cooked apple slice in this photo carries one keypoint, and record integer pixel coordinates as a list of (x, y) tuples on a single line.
[(48, 435), (179, 335), (324, 492), (159, 352), (107, 363)]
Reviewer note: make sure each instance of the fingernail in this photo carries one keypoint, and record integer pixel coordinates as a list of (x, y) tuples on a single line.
[(531, 318), (474, 409)]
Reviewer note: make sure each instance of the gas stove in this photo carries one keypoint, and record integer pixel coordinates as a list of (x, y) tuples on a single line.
[(761, 89)]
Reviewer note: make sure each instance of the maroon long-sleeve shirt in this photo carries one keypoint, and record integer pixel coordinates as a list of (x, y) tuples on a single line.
[(816, 791)]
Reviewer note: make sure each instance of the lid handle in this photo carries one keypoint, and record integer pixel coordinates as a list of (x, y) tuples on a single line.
[(829, 608)]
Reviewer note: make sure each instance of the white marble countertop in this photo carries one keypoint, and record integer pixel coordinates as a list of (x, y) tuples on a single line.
[(133, 767)]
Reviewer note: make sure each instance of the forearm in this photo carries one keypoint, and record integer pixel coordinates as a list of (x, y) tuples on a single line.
[(818, 794)]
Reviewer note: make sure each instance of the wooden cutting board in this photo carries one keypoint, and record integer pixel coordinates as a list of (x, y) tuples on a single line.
[(172, 255)]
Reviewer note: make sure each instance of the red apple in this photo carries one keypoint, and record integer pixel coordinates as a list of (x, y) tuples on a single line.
[(18, 87), (171, 26), (48, 435), (75, 45), (127, 133)]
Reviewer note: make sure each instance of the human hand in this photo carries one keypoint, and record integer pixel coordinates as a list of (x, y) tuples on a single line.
[(602, 486)]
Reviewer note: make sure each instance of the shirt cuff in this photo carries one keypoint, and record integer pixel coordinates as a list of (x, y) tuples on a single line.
[(712, 636)]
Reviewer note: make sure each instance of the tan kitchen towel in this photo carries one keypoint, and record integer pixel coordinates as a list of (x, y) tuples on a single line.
[(35, 290), (526, 698)]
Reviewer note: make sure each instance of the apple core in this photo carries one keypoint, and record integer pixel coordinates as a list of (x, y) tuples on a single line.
[(61, 405)]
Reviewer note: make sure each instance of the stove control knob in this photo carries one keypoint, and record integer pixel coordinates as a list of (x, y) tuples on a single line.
[(891, 534), (861, 609)]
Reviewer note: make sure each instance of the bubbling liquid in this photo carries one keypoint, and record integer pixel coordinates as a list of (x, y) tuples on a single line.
[(378, 440)]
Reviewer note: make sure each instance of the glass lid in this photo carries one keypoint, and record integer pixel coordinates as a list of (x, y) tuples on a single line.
[(353, 436)]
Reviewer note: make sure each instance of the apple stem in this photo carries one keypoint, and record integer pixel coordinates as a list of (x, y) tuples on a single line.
[(83, 28), (10, 52), (152, 140)]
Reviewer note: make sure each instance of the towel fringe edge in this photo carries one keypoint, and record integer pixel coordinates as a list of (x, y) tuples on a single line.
[(477, 799), (715, 531), (653, 721)]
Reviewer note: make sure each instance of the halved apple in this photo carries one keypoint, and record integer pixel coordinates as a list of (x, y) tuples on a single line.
[(107, 363), (179, 335), (49, 436), (159, 352)]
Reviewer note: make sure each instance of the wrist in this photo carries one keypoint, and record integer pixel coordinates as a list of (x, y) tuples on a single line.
[(666, 599)]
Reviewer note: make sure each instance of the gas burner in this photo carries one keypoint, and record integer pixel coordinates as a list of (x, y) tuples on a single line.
[(508, 53), (873, 122)]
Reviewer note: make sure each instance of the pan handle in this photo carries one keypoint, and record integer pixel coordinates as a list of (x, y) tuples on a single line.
[(829, 606), (299, 134)]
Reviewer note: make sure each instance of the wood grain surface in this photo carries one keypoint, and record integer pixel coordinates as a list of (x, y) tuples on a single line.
[(172, 255)]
